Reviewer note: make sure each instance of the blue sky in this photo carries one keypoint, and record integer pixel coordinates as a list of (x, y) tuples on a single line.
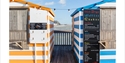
[(63, 16)]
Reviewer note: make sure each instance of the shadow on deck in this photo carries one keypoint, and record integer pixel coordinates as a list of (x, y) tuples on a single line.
[(63, 54)]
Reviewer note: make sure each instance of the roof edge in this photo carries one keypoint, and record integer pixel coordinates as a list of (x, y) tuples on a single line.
[(32, 5), (91, 6)]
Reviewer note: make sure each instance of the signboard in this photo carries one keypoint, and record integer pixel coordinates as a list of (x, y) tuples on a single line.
[(91, 36), (38, 26)]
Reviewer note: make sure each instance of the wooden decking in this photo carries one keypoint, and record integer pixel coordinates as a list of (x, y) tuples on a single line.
[(63, 54)]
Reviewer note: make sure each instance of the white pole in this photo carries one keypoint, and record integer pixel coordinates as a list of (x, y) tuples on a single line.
[(35, 53), (45, 52)]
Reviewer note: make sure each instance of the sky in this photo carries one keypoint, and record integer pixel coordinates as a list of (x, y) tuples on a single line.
[(61, 13)]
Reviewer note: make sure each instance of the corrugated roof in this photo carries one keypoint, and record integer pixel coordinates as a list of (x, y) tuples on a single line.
[(91, 6)]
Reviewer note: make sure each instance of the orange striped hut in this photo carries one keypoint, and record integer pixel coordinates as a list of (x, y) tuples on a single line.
[(32, 29)]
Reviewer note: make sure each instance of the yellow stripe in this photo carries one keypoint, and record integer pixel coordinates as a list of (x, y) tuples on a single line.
[(48, 43), (50, 18), (51, 39), (37, 45), (50, 26), (27, 53), (27, 61)]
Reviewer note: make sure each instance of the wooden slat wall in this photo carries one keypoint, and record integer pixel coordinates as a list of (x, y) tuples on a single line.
[(17, 25), (108, 27)]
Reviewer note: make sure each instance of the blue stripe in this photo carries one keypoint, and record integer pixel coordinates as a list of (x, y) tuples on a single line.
[(81, 61), (81, 36), (78, 35), (76, 19), (81, 26), (107, 52), (81, 44), (77, 26), (108, 61), (76, 57), (81, 17), (76, 49), (76, 41), (81, 52)]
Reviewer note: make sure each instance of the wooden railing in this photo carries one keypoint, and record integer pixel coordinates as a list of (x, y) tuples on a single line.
[(62, 37)]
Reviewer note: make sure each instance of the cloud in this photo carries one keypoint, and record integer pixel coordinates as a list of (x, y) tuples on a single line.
[(63, 2), (49, 3)]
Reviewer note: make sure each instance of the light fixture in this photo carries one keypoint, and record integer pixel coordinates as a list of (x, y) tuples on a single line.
[(68, 10), (54, 9)]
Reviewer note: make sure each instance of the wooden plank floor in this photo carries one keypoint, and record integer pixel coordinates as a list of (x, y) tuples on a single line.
[(63, 54)]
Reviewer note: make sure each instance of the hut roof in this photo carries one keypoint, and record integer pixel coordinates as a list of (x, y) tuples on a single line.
[(30, 5), (92, 6)]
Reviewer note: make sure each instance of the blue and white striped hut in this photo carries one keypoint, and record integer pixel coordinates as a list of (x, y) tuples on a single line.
[(108, 54)]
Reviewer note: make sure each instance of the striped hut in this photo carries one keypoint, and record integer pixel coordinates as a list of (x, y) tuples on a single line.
[(107, 31), (31, 32)]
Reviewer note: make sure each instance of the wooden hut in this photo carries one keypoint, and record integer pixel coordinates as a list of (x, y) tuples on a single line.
[(31, 32)]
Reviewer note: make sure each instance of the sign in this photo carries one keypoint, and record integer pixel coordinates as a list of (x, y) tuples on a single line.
[(90, 25), (91, 36), (91, 52), (38, 26)]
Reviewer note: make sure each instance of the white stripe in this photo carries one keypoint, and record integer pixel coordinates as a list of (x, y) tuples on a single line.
[(81, 13), (108, 50), (108, 57), (80, 31), (28, 57), (81, 57), (76, 30), (78, 47), (38, 48), (50, 22), (76, 22), (49, 38), (31, 21), (103, 57), (81, 22), (76, 15), (18, 4), (51, 29), (78, 39), (76, 53)]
